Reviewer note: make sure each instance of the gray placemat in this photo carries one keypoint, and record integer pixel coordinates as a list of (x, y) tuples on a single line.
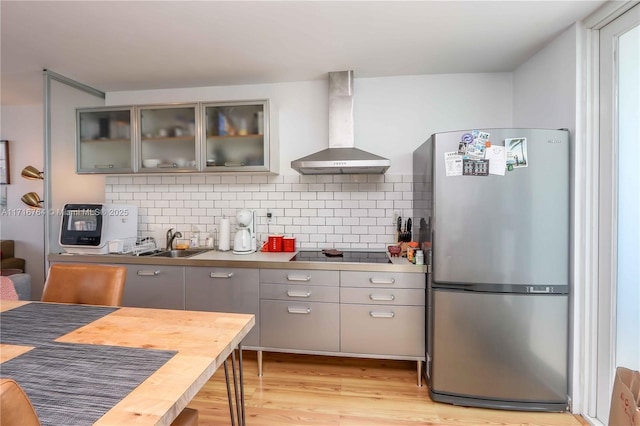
[(37, 323), (76, 384)]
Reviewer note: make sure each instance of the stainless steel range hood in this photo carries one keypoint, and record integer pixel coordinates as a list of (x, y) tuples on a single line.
[(342, 157)]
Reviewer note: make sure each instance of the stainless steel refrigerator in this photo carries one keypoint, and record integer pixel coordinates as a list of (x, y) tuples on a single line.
[(493, 205)]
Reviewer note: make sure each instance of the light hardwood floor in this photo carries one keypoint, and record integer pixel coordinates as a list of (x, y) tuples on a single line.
[(319, 390)]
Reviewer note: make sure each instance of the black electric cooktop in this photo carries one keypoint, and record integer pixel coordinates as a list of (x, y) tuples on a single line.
[(345, 256)]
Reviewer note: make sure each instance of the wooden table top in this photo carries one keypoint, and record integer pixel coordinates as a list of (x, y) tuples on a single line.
[(203, 341)]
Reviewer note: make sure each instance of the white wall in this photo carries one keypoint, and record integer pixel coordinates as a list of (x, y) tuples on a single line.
[(22, 127), (545, 95), (393, 116), (544, 87)]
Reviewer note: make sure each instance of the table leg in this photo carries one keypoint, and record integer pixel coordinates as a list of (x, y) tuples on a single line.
[(420, 374), (241, 386), (235, 389), (238, 388), (259, 363), (226, 377)]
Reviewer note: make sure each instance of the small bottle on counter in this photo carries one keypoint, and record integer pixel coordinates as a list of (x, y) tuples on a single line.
[(419, 257), (410, 254), (194, 241)]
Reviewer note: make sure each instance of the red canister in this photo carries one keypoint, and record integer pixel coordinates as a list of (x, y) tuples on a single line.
[(289, 244), (275, 242)]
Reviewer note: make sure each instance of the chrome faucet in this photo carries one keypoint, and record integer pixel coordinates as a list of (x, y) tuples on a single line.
[(171, 236)]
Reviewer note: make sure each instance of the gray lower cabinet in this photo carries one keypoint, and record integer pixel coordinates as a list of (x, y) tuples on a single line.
[(312, 326), (154, 286), (220, 289), (300, 310), (382, 313)]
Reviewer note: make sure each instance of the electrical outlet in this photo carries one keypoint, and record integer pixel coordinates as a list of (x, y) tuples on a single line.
[(396, 213), (269, 216)]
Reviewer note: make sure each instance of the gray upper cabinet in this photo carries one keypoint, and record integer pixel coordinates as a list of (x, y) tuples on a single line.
[(105, 142), (215, 137), (168, 138), (236, 136)]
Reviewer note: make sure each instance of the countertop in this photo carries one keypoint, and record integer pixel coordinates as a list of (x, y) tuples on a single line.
[(263, 260)]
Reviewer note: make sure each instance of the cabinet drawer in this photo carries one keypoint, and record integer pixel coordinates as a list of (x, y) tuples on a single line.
[(382, 279), (300, 276), (296, 325), (153, 286), (302, 293), (383, 296), (382, 330), (225, 290)]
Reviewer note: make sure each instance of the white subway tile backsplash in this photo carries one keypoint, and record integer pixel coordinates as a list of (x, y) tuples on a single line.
[(350, 221), (308, 196), (342, 211)]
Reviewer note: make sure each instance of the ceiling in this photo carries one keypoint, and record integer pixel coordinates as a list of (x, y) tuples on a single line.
[(139, 45)]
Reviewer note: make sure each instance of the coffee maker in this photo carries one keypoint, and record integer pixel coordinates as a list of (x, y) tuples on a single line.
[(245, 240)]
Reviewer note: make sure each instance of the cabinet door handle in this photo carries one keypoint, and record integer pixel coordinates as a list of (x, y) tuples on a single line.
[(144, 273), (374, 280), (103, 166), (292, 293), (299, 278), (382, 297), (379, 314), (293, 310), (221, 275)]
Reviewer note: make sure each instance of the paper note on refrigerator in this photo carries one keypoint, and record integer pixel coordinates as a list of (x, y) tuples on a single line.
[(453, 163), (497, 159)]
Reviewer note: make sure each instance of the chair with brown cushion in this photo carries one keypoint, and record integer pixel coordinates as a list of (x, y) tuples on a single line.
[(15, 406), (85, 284)]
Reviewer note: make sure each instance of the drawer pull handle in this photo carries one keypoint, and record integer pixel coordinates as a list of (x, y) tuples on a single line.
[(144, 273), (382, 297), (292, 293), (382, 280), (375, 314), (305, 311), (306, 278), (221, 275)]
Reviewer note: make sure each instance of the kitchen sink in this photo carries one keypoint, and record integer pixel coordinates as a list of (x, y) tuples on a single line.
[(179, 253)]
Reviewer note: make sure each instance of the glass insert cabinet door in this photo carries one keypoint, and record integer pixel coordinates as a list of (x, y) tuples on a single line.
[(236, 135), (104, 140), (168, 138)]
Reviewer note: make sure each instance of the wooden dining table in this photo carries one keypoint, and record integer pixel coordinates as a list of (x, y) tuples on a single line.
[(195, 345)]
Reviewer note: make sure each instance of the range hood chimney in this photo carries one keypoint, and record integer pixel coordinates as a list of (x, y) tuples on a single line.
[(342, 157)]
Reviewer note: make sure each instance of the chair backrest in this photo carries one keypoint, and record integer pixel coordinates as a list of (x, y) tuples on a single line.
[(15, 406), (7, 289), (86, 284)]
